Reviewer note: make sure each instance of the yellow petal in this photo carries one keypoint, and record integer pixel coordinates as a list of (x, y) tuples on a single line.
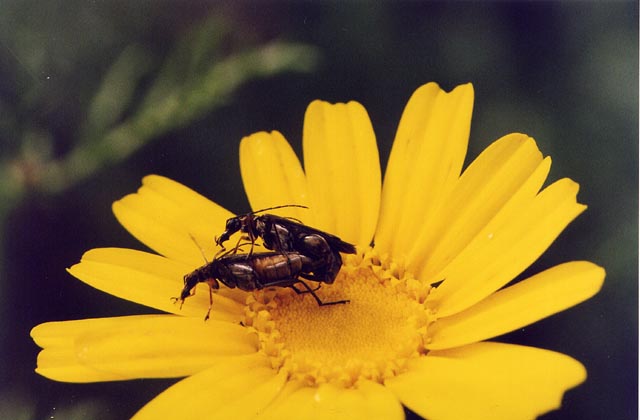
[(368, 401), (509, 170), (544, 294), (343, 170), (513, 240), (163, 346), (487, 381), (148, 346), (152, 280), (172, 219), (58, 361), (62, 364), (238, 389), (272, 175), (425, 162)]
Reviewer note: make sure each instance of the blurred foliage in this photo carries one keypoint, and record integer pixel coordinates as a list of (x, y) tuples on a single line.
[(96, 94), (195, 78)]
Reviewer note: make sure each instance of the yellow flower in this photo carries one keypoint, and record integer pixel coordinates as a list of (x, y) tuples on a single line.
[(424, 295)]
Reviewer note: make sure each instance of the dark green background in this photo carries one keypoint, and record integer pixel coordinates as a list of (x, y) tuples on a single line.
[(565, 73)]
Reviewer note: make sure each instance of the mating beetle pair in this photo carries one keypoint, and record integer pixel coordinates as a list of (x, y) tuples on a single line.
[(298, 251)]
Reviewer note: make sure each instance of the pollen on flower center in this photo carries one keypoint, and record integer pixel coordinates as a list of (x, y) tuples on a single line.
[(371, 337)]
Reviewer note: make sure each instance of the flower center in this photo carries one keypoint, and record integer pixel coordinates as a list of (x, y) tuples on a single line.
[(371, 337)]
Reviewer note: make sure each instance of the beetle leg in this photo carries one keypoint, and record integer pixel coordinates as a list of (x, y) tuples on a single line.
[(235, 249), (320, 302), (300, 292), (314, 277), (220, 252), (212, 284), (210, 302)]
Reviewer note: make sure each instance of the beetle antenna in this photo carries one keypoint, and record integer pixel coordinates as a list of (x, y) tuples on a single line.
[(279, 207), (224, 252), (294, 219), (199, 247)]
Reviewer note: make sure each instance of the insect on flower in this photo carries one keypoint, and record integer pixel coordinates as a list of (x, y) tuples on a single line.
[(258, 271), (405, 343), (288, 235)]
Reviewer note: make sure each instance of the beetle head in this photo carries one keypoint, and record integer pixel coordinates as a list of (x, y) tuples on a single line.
[(233, 225), (190, 281)]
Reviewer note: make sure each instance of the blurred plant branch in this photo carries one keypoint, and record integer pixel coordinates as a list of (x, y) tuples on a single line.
[(120, 119), (167, 107)]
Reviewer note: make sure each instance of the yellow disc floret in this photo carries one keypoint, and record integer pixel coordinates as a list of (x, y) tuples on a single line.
[(371, 337)]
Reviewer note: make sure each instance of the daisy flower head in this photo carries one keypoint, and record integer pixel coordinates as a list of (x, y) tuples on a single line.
[(428, 286)]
